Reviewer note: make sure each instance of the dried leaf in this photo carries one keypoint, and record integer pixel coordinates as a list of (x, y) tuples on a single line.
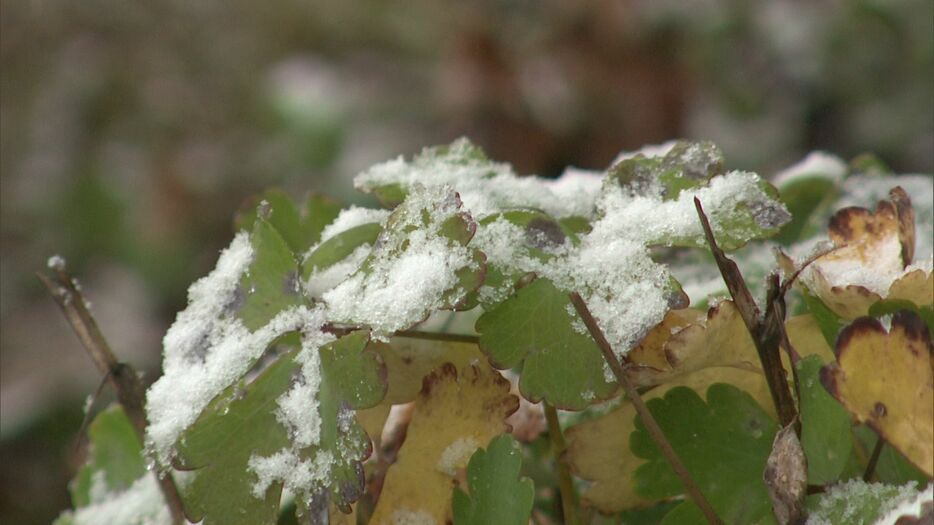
[(886, 379), (786, 476)]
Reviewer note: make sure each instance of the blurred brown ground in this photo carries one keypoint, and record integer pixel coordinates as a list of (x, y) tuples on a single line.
[(131, 131)]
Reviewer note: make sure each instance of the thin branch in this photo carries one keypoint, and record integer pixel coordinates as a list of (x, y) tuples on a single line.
[(650, 424), (565, 483), (874, 459), (434, 336), (122, 377), (767, 332)]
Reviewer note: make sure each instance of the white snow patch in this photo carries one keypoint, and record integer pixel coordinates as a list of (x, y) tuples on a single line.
[(296, 474), (352, 217), (140, 504), (456, 455), (324, 279), (815, 164), (412, 517), (911, 507)]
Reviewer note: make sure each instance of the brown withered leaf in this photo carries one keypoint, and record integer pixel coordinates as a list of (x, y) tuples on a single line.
[(886, 379), (455, 413)]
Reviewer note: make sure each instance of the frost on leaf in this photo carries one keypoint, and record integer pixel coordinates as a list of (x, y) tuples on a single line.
[(292, 427), (419, 263), (886, 379), (486, 187), (234, 313), (729, 476), (872, 260), (644, 201), (113, 487), (599, 451), (497, 493), (455, 413), (856, 502)]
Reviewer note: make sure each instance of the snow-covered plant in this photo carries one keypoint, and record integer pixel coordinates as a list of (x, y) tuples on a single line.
[(407, 364)]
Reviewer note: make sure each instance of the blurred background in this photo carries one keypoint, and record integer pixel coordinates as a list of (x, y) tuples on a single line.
[(130, 133)]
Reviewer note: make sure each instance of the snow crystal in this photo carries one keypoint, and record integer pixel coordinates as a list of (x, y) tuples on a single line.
[(846, 501), (485, 187), (816, 164), (296, 474), (351, 218), (911, 506), (322, 280), (56, 262), (140, 504), (456, 455), (410, 269), (298, 408), (412, 517)]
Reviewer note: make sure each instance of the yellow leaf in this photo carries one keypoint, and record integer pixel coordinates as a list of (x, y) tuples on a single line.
[(409, 361), (598, 450), (454, 415), (871, 259), (886, 379), (686, 341)]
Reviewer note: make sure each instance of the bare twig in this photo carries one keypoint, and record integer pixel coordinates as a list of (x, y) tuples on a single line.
[(874, 459), (650, 424), (122, 377), (565, 483), (767, 332)]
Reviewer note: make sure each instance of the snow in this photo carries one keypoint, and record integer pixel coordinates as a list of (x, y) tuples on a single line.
[(911, 506), (485, 187), (457, 455), (207, 349), (409, 270), (298, 408), (140, 504), (56, 262), (412, 517), (351, 218), (815, 164), (297, 475), (650, 151), (324, 279), (846, 501)]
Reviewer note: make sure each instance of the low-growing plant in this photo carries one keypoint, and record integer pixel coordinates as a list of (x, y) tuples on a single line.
[(494, 349)]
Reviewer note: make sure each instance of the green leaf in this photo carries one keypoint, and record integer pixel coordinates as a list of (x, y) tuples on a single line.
[(686, 166), (855, 502), (537, 327), (270, 285), (825, 426), (339, 247), (724, 443), (497, 494), (300, 228), (243, 423), (892, 467), (829, 323), (890, 306), (114, 451), (806, 199)]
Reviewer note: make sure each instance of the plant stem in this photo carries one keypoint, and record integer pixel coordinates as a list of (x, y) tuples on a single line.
[(565, 483), (874, 459), (767, 332), (434, 336), (122, 377), (650, 424)]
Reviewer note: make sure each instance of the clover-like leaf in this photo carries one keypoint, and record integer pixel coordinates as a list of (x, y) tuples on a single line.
[(598, 450), (560, 361), (684, 166), (825, 426), (420, 263), (886, 379), (497, 494), (335, 259), (723, 442), (455, 413), (250, 442), (300, 227)]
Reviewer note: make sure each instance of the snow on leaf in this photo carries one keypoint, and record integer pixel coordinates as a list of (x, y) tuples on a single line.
[(497, 493), (420, 263), (872, 260), (113, 486), (856, 502), (598, 450), (299, 227), (292, 427), (808, 188), (234, 313), (455, 413), (560, 362), (486, 187), (886, 379), (335, 259), (825, 426), (729, 476)]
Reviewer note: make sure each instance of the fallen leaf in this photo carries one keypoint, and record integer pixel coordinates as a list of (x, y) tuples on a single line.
[(886, 379)]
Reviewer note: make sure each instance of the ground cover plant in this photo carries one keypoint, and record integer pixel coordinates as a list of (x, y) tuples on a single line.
[(490, 348)]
